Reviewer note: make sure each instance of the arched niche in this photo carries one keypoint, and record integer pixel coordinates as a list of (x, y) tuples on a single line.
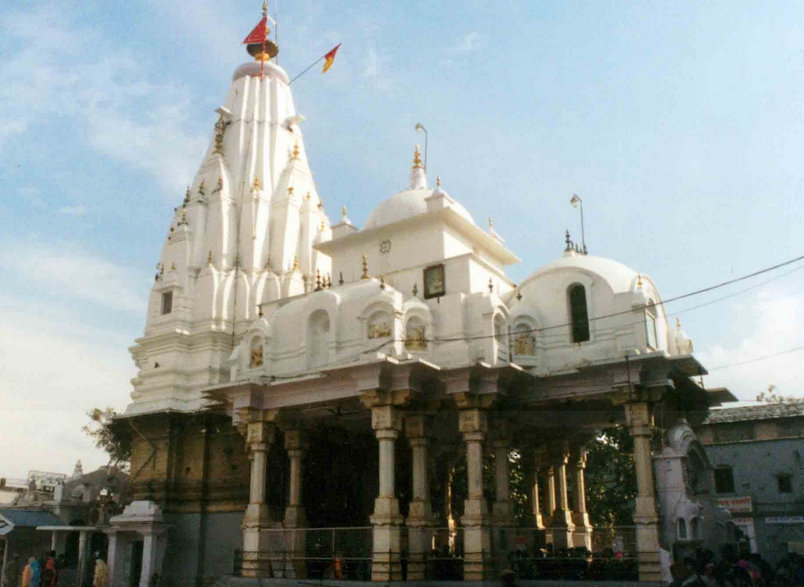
[(256, 352), (415, 334)]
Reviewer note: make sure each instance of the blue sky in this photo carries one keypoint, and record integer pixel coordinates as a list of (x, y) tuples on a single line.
[(680, 124)]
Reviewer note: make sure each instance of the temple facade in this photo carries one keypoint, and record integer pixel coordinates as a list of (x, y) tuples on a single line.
[(309, 391)]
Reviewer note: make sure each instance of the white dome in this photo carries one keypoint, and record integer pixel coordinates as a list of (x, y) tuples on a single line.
[(406, 205), (619, 277), (252, 68)]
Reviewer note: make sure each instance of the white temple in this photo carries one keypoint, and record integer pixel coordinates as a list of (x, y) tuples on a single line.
[(265, 321)]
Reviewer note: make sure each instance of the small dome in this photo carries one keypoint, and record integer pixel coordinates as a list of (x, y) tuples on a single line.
[(619, 277), (405, 205)]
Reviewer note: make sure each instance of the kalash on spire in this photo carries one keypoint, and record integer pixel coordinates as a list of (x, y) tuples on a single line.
[(242, 236)]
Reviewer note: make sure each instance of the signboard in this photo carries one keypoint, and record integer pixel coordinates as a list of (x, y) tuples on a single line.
[(736, 505), (785, 520)]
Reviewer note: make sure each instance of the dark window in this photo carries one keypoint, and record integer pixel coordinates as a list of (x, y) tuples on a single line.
[(167, 302), (578, 313), (785, 483), (724, 480)]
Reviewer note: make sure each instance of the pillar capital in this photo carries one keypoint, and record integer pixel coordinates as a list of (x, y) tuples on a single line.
[(295, 440), (386, 417), (259, 434), (473, 421), (417, 427), (639, 416)]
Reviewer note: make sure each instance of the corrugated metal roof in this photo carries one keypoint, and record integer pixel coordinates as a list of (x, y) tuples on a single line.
[(758, 412), (19, 518)]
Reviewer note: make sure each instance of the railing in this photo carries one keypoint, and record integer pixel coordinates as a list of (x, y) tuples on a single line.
[(531, 553)]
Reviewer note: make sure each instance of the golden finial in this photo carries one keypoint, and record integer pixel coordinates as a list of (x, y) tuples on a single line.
[(209, 257), (320, 205), (295, 263), (256, 184), (365, 268), (417, 158), (183, 216), (343, 212), (491, 223), (290, 190), (187, 195), (678, 323), (307, 196), (317, 280), (491, 286), (323, 226), (265, 8), (201, 187), (220, 184), (639, 281), (438, 181), (295, 154)]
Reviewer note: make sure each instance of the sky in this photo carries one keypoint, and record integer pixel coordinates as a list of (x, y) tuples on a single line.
[(680, 124)]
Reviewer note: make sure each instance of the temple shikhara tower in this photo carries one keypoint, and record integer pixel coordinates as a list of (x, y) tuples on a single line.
[(318, 399)]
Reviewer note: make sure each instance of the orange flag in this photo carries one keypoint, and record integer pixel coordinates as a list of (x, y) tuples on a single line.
[(259, 33), (329, 58)]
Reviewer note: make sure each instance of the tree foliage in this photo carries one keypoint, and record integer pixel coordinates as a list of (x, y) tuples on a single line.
[(772, 397), (611, 478), (102, 433)]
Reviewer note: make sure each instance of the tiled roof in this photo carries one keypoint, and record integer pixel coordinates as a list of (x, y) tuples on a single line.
[(757, 412), (29, 518)]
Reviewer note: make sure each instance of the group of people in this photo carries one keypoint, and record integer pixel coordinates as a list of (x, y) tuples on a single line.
[(737, 570), (38, 572), (46, 571)]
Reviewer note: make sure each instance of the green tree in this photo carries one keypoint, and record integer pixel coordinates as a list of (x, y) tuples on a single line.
[(102, 432), (611, 478)]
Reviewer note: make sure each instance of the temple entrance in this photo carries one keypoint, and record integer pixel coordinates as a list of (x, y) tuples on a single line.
[(340, 477), (136, 563)]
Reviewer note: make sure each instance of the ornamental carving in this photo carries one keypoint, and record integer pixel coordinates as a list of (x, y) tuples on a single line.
[(256, 356), (525, 344), (380, 329), (415, 338)]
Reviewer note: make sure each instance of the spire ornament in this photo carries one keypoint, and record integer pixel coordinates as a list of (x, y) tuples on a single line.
[(295, 154), (220, 130), (364, 263), (201, 188), (417, 159), (256, 183), (317, 280), (187, 195)]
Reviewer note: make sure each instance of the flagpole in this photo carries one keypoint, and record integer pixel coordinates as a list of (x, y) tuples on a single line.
[(264, 37), (308, 68)]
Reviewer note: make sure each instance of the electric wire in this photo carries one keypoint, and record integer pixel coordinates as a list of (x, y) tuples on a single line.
[(662, 303)]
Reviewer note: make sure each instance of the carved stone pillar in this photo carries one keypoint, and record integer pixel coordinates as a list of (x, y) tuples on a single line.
[(535, 507), (256, 557), (562, 517), (420, 515), (646, 519), (295, 518), (502, 509), (386, 562), (475, 520), (580, 517)]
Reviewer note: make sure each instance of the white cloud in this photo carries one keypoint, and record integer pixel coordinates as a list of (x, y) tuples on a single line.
[(51, 378), (70, 272), (125, 115), (466, 44), (773, 319)]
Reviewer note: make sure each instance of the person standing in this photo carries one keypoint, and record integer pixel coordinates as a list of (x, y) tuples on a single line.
[(101, 576), (31, 576)]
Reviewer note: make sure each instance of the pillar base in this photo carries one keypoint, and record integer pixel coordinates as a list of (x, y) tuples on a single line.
[(420, 537), (562, 529), (477, 561), (502, 513), (583, 530), (386, 556)]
